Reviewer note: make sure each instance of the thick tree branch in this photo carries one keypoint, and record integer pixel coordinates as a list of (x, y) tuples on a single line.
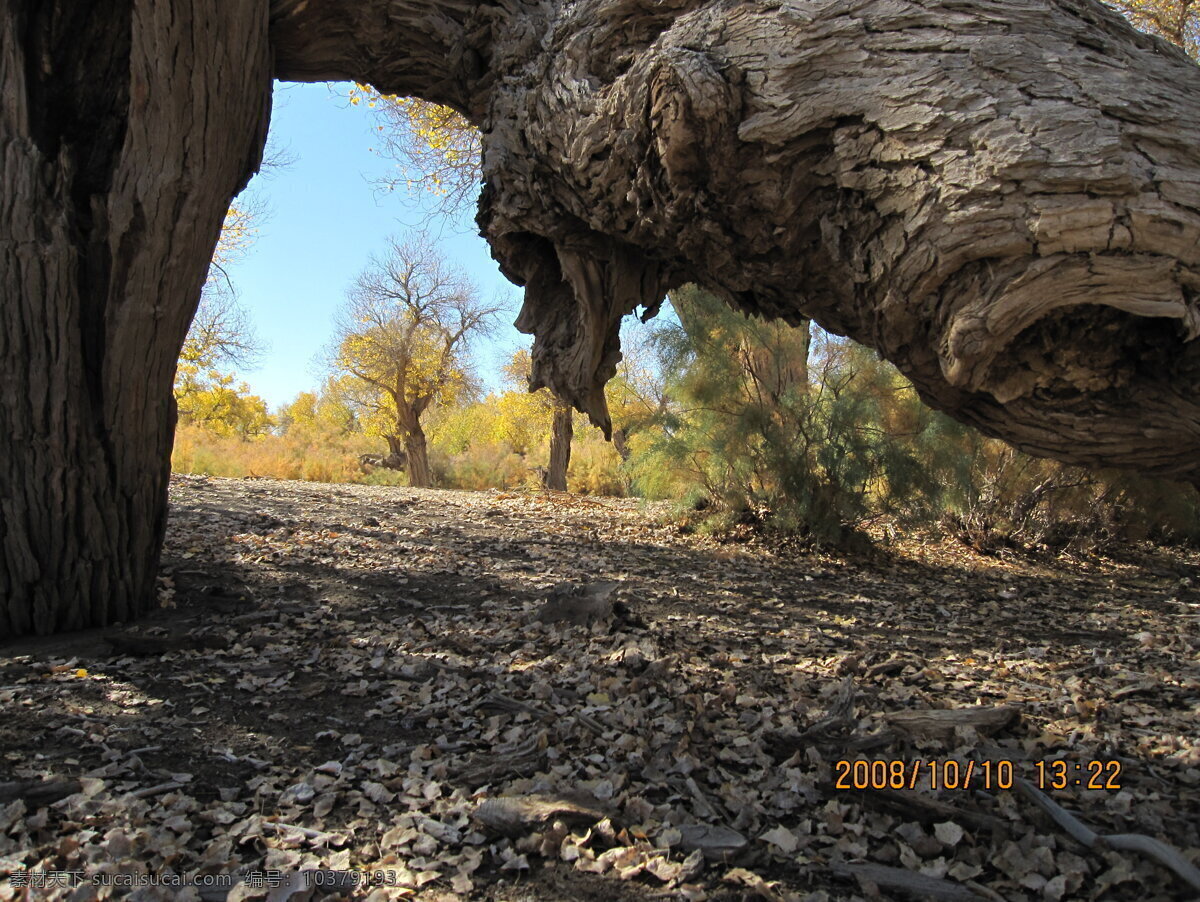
[(1002, 197)]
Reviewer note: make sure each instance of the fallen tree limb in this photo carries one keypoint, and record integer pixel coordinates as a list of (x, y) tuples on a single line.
[(919, 886), (514, 815), (1122, 842), (160, 789), (153, 646), (918, 806), (941, 724), (37, 793)]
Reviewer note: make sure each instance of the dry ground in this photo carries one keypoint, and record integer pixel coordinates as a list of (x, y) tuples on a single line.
[(348, 678)]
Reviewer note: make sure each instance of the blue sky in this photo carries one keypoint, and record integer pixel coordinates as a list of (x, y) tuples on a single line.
[(324, 218)]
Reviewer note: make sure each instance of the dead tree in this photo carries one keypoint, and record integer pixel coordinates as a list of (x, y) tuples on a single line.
[(1003, 197)]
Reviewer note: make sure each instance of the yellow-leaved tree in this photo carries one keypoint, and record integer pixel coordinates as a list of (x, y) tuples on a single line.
[(438, 151), (637, 395), (221, 336), (523, 412), (321, 414), (206, 391), (403, 335)]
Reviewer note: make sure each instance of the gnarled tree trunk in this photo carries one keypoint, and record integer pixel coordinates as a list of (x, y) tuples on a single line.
[(397, 457), (125, 127), (1002, 198)]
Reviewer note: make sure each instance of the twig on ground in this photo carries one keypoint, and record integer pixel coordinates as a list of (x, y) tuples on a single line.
[(158, 790), (1126, 842), (36, 793), (911, 883), (308, 833)]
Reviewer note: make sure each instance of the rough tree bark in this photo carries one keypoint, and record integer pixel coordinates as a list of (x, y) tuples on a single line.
[(114, 179), (1002, 196), (409, 442), (561, 433), (620, 440), (420, 474)]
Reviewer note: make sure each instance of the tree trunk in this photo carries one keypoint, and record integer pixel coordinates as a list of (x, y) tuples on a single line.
[(397, 457), (115, 184), (420, 475), (799, 371), (620, 440), (561, 432)]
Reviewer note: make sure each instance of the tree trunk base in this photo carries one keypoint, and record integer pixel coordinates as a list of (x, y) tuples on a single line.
[(116, 186)]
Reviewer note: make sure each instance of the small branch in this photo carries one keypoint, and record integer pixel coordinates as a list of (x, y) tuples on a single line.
[(986, 892), (37, 793), (1125, 842), (918, 806), (911, 883), (143, 750), (307, 833), (158, 790)]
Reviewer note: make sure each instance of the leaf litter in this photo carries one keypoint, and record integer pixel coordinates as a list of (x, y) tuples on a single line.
[(382, 693)]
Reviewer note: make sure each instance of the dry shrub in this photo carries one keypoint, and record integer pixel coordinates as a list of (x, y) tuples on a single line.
[(305, 455), (1013, 501), (275, 456), (479, 467), (596, 467)]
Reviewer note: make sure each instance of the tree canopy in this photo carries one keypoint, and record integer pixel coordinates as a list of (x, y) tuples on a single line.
[(1178, 21), (436, 149)]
